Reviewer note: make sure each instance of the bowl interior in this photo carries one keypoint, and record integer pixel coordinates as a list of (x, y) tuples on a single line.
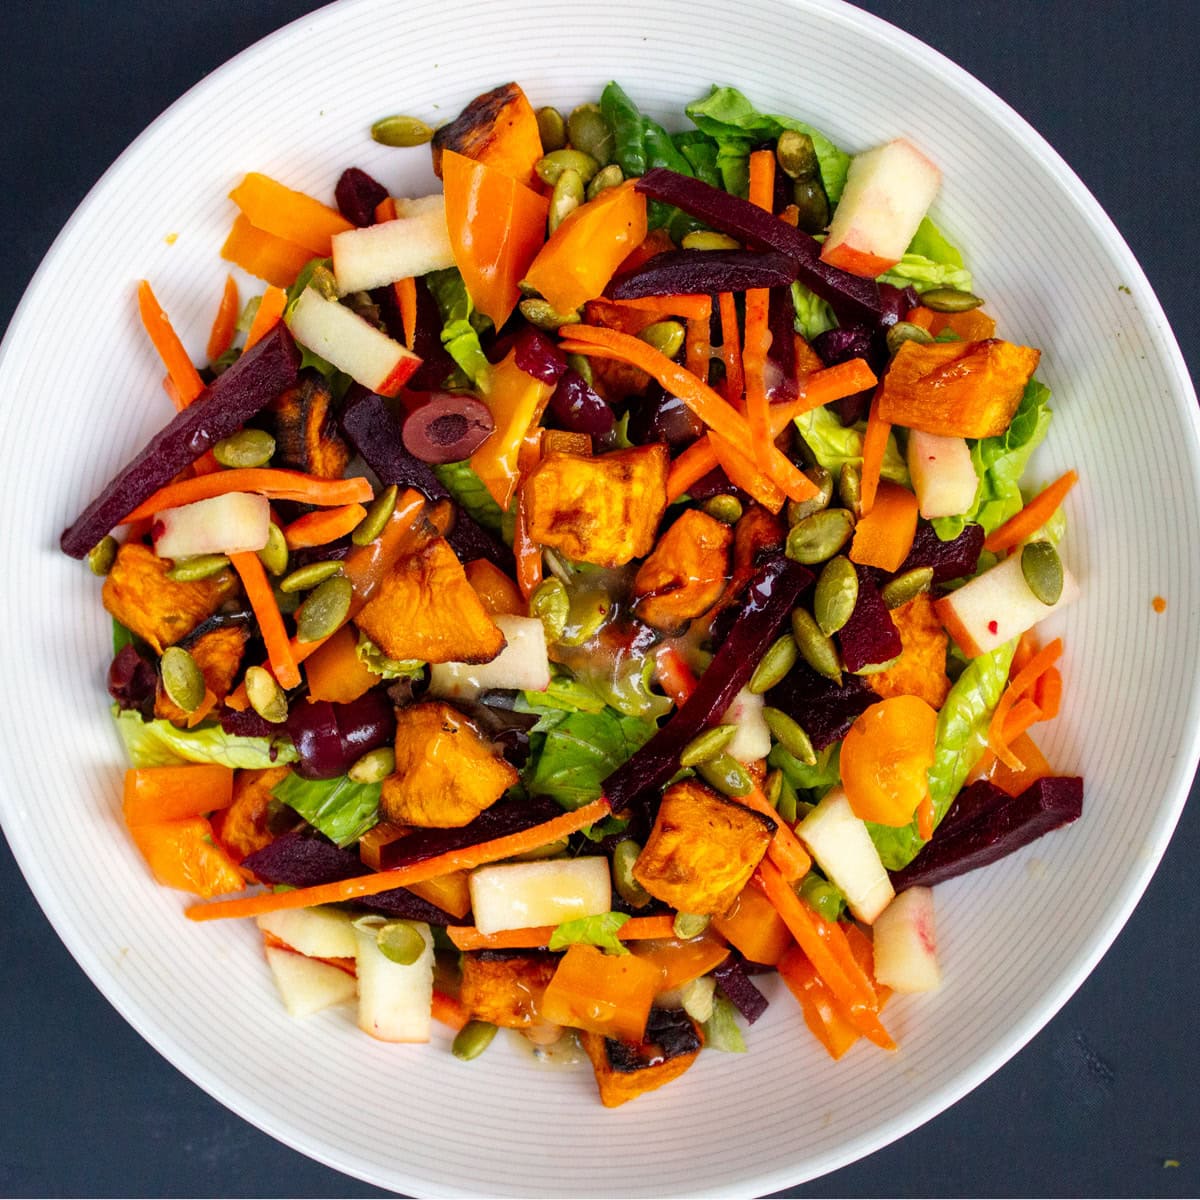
[(1016, 939)]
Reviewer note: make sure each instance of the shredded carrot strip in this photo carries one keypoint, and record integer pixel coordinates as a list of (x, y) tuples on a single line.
[(1032, 517), (1021, 716), (1022, 683), (270, 620), (371, 885), (1027, 647), (269, 314), (698, 347), (731, 350), (1048, 693), (180, 368), (757, 342), (687, 305), (405, 290), (874, 445), (224, 324), (321, 528), (468, 937), (785, 850), (745, 473)]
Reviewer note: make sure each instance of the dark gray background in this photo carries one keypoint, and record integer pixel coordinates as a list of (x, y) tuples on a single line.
[(1096, 1105)]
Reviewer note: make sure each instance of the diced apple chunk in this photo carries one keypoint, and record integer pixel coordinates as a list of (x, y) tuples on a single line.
[(842, 848), (523, 664), (753, 739), (305, 985), (906, 943), (943, 475), (318, 932), (395, 1000), (414, 244), (229, 524), (517, 895), (888, 190)]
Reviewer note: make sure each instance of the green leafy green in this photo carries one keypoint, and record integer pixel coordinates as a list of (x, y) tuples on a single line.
[(340, 808), (376, 661), (930, 242), (930, 261), (600, 930), (813, 315), (701, 152), (122, 637), (825, 774), (161, 744), (461, 324), (597, 831), (623, 117), (469, 490), (566, 694), (835, 444), (721, 1031)]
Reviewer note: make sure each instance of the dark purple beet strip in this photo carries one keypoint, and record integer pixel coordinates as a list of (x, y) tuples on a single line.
[(781, 319), (974, 802), (237, 394), (950, 559), (824, 710), (358, 195), (740, 990), (247, 724), (769, 599), (703, 272), (851, 297), (407, 906), (997, 830), (870, 636)]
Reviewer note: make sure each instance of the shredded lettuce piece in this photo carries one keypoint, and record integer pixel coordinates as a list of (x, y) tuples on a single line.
[(600, 930), (339, 808), (564, 695), (835, 444), (378, 663), (817, 779), (721, 1030), (813, 315), (460, 480), (461, 325), (160, 744), (931, 260)]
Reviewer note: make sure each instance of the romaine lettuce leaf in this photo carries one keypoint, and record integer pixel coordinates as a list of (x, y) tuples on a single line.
[(565, 694), (340, 808), (468, 489), (461, 324), (818, 779), (835, 444), (721, 1031), (600, 930), (813, 315), (377, 662), (161, 744), (930, 261)]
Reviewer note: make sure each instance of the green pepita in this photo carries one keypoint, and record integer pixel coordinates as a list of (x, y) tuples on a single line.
[(310, 575), (102, 555), (182, 679), (850, 488), (246, 448), (323, 281), (819, 537), (552, 129), (773, 787), (797, 510), (790, 735), (274, 555), (551, 604), (400, 942), (817, 650), (587, 130), (324, 610), (197, 567), (796, 154), (1043, 571), (624, 856), (821, 896), (726, 775), (565, 199), (543, 315), (709, 239), (689, 925), (706, 746), (666, 337), (774, 665), (811, 204), (288, 602), (604, 179), (905, 587), (550, 166), (906, 331), (401, 131), (581, 366), (877, 668), (723, 508), (378, 515), (835, 595), (788, 801), (950, 300), (472, 1040), (266, 696), (374, 766), (589, 611)]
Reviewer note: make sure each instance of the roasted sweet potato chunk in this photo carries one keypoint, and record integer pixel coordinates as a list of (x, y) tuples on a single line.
[(505, 989), (921, 668), (702, 850), (426, 609), (242, 828), (957, 389), (306, 432), (498, 128), (626, 1070), (160, 611), (446, 773), (218, 653), (603, 510), (685, 575)]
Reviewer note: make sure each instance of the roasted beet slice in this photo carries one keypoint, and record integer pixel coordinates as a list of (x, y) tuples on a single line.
[(823, 709), (950, 559), (247, 724), (237, 394), (739, 989), (702, 272), (870, 637), (781, 318), (991, 828), (358, 195), (669, 1033)]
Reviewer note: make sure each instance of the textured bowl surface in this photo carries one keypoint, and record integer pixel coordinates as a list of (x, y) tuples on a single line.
[(82, 392)]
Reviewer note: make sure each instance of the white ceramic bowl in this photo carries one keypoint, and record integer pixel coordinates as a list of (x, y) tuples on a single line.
[(1055, 272)]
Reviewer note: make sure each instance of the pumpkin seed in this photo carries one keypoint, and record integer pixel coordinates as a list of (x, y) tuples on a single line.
[(322, 281), (822, 896), (774, 665), (725, 775), (102, 555), (197, 567), (812, 206), (378, 515), (796, 154), (551, 604), (310, 576), (401, 131), (265, 695), (773, 787), (905, 587), (565, 199), (817, 650), (552, 128), (472, 1040), (605, 178), (624, 856), (790, 735), (400, 942), (950, 300), (850, 488), (819, 537), (709, 239), (724, 508), (587, 130), (665, 336), (788, 801), (589, 611), (1043, 571), (324, 610), (689, 925), (182, 679), (835, 595), (906, 331), (877, 668), (706, 746), (581, 366), (797, 510), (374, 766), (288, 602), (246, 448), (543, 315), (274, 555), (550, 166)]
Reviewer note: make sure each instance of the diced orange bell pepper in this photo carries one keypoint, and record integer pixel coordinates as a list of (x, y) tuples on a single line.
[(884, 536), (681, 960), (173, 793), (263, 254), (605, 993), (183, 855), (754, 927)]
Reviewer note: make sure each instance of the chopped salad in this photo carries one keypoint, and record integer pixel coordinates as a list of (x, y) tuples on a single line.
[(563, 600)]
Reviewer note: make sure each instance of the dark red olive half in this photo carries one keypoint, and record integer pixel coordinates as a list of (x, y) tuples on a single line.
[(447, 429)]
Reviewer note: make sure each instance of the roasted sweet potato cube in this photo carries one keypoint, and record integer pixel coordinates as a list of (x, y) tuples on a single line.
[(626, 1070), (604, 509), (685, 575), (446, 773), (305, 427), (505, 989), (160, 611), (921, 668), (702, 850), (957, 389), (218, 653), (426, 609), (243, 827), (498, 128)]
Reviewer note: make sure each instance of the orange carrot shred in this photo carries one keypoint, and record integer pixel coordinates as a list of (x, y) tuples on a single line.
[(448, 1011), (683, 304), (674, 675), (757, 343), (270, 311), (321, 528), (1032, 517), (636, 929), (698, 348), (180, 368), (224, 324), (270, 621), (1022, 683), (874, 445), (784, 849)]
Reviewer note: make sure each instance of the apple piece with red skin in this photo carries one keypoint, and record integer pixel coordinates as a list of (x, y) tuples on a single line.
[(351, 344), (888, 190), (235, 523), (943, 475), (905, 943), (307, 985), (413, 244)]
